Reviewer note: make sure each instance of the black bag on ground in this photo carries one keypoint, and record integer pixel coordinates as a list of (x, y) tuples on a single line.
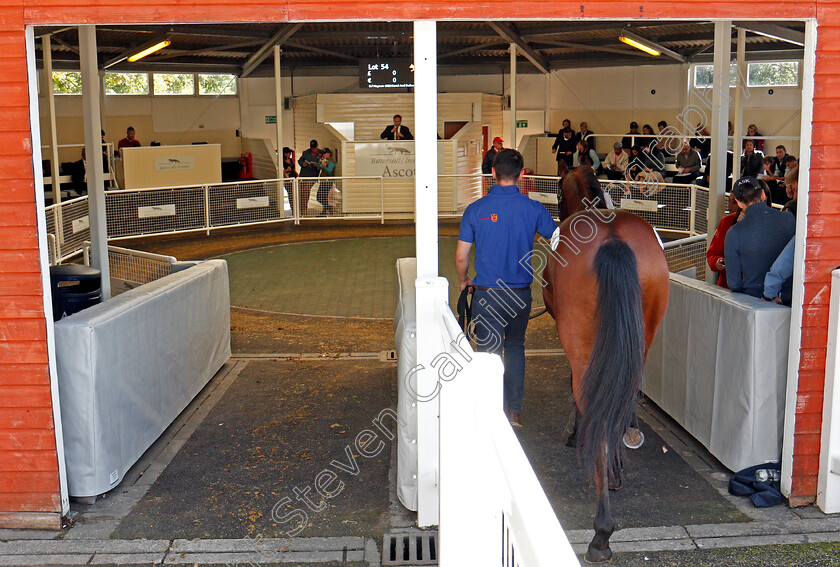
[(763, 494)]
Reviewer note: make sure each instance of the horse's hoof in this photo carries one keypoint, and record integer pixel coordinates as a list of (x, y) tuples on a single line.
[(595, 555), (571, 442), (634, 438), (616, 484)]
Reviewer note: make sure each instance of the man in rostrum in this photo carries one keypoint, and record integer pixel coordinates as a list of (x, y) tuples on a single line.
[(397, 131), (503, 225)]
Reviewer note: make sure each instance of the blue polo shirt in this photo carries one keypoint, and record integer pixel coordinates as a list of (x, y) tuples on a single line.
[(503, 225)]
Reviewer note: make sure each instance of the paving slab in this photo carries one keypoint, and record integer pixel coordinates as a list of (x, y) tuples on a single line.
[(127, 558), (55, 559), (765, 528), (660, 488), (249, 558), (83, 546), (276, 428), (806, 555), (632, 534), (268, 544)]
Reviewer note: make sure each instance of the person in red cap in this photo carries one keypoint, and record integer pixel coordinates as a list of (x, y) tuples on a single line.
[(487, 164)]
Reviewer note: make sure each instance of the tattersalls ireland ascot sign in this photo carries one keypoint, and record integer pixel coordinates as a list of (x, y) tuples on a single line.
[(391, 160)]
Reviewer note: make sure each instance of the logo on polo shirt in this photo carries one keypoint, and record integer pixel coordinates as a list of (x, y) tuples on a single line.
[(494, 217)]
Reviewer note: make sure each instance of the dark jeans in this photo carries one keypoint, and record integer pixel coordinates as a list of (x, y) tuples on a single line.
[(613, 174), (501, 318)]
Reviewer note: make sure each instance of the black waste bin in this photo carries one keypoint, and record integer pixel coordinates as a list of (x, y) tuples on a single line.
[(74, 287)]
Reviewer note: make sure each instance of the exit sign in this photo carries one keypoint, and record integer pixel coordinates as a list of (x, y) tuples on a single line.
[(521, 123), (271, 120)]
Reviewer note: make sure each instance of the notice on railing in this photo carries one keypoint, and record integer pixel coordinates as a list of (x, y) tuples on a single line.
[(174, 163), (544, 198), (252, 202), (156, 211), (639, 205), (81, 224)]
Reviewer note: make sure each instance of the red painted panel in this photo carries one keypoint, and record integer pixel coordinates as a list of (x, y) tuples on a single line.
[(37, 418), (820, 268), (812, 357), (815, 335), (812, 382), (805, 487), (825, 201), (25, 352), (827, 226), (27, 439), (818, 293), (13, 214), (807, 444), (25, 397), (809, 402), (18, 238), (809, 423), (24, 374), (21, 461), (29, 482), (20, 260), (19, 190), (31, 502), (25, 307), (20, 285), (23, 329)]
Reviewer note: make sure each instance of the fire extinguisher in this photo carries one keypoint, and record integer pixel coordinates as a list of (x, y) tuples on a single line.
[(246, 167)]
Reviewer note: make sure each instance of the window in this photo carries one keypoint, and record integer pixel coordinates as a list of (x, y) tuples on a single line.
[(67, 82), (127, 83), (703, 76), (174, 83), (776, 74), (216, 84)]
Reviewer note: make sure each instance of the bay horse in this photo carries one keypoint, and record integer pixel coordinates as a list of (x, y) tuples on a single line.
[(606, 285)]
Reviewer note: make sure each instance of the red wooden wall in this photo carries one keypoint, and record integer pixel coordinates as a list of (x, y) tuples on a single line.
[(28, 463)]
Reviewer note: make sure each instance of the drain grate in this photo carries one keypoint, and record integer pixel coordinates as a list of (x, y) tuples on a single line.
[(416, 548)]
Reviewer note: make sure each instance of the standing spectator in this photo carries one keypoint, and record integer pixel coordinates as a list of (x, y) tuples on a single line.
[(487, 162), (714, 255), (586, 134), (751, 162), (565, 143), (129, 141), (308, 162), (397, 131), (288, 163), (688, 165), (326, 168), (758, 144), (502, 225), (778, 283), (752, 245), (583, 151), (616, 162), (627, 142)]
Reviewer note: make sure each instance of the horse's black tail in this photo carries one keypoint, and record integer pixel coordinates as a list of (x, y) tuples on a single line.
[(617, 359)]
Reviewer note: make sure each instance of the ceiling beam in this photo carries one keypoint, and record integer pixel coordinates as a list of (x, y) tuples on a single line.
[(585, 47), (506, 31), (220, 50), (65, 45), (263, 52), (471, 48), (232, 31), (321, 51), (127, 52), (774, 31)]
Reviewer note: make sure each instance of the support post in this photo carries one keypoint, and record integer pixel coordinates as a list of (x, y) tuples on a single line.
[(55, 166), (278, 103), (429, 287), (93, 149), (719, 122), (738, 104), (513, 95)]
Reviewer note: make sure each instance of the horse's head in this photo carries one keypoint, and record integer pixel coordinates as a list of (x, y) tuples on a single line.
[(580, 183)]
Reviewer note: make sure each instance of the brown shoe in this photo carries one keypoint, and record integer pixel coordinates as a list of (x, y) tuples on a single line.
[(515, 419)]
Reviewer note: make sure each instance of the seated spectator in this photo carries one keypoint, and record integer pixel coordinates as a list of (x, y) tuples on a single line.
[(643, 167), (778, 283), (790, 162), (632, 138), (583, 150), (768, 175), (661, 138), (397, 131), (688, 165), (586, 134), (792, 189), (647, 137), (616, 162), (129, 141), (779, 163), (714, 255), (752, 245), (752, 130), (751, 164)]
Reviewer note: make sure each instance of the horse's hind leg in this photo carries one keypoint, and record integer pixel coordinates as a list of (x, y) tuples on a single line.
[(599, 548)]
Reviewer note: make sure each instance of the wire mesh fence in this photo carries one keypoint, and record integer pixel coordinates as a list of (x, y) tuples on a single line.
[(69, 223), (687, 256), (131, 268), (155, 211), (666, 206), (339, 197), (249, 202)]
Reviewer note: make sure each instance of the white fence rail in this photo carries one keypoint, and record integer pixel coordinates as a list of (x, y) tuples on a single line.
[(492, 506)]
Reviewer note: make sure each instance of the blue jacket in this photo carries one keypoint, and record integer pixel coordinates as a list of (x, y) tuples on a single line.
[(753, 244)]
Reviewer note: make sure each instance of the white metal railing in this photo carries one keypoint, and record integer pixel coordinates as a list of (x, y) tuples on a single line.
[(687, 256), (108, 150), (828, 480), (492, 506)]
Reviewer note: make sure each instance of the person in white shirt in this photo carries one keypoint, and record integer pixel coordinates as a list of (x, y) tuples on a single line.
[(616, 162)]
